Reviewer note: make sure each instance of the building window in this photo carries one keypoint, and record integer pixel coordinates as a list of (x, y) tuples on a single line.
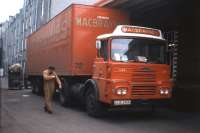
[(42, 14), (31, 30), (26, 27), (23, 27), (22, 45), (25, 44), (30, 21), (14, 52), (15, 32), (18, 46)]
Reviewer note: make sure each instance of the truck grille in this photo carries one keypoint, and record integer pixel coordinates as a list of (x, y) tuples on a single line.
[(144, 76), (144, 82), (140, 90)]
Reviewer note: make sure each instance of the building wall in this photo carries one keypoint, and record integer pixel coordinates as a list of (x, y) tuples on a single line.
[(3, 32), (32, 16), (12, 38)]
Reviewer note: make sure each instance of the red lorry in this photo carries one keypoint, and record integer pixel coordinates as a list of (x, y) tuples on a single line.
[(101, 63)]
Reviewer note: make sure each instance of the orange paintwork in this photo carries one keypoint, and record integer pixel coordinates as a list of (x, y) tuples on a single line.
[(68, 43), (68, 40), (141, 84)]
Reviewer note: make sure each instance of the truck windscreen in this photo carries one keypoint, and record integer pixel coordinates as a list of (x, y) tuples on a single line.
[(139, 50)]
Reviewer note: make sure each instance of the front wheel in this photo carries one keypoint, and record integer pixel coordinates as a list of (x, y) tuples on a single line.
[(93, 106)]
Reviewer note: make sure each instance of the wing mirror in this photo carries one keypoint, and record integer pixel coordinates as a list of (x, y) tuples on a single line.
[(98, 44)]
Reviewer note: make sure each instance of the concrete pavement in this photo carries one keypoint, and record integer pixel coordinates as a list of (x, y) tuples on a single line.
[(3, 82), (22, 112)]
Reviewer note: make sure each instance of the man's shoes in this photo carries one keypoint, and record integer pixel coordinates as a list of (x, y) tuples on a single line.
[(50, 112), (45, 109)]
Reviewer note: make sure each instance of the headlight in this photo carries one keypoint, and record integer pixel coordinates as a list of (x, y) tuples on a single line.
[(124, 91), (121, 91), (164, 91)]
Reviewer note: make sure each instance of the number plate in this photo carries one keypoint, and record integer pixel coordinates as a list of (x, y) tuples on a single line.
[(122, 102)]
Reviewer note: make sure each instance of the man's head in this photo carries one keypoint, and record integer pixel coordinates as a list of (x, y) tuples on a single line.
[(51, 69)]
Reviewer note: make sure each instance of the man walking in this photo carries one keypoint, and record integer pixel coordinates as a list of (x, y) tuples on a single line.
[(50, 78)]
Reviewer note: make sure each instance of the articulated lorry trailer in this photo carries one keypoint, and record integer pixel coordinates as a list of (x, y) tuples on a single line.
[(102, 61)]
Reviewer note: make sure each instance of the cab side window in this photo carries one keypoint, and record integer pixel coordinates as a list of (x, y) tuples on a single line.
[(103, 51)]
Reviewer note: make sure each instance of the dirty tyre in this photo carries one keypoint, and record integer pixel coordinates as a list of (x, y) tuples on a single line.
[(94, 108), (64, 100), (64, 97), (37, 87), (61, 98), (33, 90), (36, 90)]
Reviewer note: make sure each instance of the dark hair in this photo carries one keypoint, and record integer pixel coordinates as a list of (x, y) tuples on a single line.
[(51, 68)]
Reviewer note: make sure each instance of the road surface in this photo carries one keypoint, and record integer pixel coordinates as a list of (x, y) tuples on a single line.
[(22, 112)]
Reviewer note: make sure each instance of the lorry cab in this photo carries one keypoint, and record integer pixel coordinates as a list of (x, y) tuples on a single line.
[(131, 66)]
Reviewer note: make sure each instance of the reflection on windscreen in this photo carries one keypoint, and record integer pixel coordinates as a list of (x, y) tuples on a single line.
[(138, 50)]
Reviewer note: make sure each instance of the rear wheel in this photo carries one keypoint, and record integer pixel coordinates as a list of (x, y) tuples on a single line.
[(64, 96), (37, 87), (33, 89), (93, 106)]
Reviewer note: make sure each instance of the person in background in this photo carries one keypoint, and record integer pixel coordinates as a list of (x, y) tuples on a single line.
[(50, 79)]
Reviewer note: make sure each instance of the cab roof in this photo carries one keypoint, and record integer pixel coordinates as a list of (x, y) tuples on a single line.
[(133, 31)]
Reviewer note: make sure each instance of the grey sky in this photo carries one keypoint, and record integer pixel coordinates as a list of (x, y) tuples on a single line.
[(9, 8)]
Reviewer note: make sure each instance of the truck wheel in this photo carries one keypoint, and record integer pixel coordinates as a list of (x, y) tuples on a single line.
[(64, 99), (37, 90), (64, 96), (33, 89), (31, 84), (94, 108)]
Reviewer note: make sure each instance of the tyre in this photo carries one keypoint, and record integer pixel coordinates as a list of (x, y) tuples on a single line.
[(93, 106), (33, 87), (37, 87), (33, 90), (64, 96)]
